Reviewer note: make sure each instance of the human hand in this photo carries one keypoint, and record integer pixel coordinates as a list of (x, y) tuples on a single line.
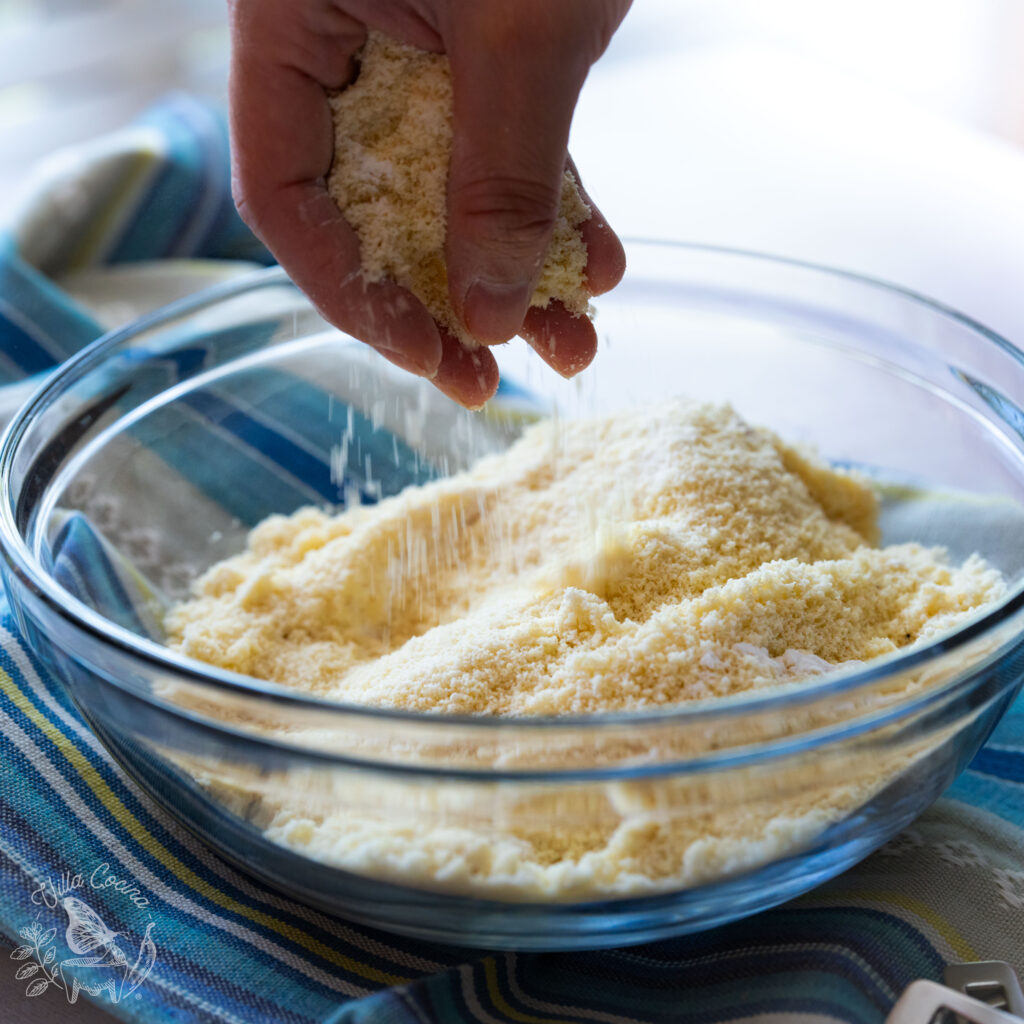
[(517, 69)]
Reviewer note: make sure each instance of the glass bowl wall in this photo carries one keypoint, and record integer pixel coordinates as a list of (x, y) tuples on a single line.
[(169, 439)]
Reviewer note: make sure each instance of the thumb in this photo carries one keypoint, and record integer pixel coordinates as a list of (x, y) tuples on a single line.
[(515, 86)]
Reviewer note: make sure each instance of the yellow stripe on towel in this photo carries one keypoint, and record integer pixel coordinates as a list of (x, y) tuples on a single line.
[(182, 872)]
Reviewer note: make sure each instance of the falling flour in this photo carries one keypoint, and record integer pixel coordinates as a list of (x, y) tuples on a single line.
[(639, 561)]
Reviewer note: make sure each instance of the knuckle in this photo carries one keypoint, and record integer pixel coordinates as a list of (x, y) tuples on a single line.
[(512, 210), (500, 27), (565, 29)]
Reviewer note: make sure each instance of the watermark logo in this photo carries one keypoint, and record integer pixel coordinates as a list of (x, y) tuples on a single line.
[(116, 967)]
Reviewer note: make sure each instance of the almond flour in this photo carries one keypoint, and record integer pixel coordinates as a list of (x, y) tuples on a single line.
[(643, 560), (393, 138)]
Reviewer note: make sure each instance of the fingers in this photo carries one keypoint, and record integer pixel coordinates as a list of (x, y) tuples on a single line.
[(469, 376), (567, 343), (606, 259), (516, 78), (282, 144)]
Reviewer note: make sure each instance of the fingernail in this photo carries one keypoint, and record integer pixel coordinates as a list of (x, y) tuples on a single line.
[(493, 311), (412, 362), (416, 348)]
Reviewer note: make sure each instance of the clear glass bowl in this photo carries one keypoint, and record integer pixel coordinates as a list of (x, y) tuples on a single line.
[(161, 436)]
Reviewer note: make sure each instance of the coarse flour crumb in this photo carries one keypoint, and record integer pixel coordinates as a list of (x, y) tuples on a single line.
[(636, 561)]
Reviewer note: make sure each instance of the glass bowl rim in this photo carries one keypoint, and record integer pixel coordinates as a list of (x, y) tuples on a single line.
[(23, 564)]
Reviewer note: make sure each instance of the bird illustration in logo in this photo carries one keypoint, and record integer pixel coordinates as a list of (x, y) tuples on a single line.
[(97, 949)]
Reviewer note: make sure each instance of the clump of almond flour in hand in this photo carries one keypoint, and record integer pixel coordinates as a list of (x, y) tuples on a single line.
[(393, 137)]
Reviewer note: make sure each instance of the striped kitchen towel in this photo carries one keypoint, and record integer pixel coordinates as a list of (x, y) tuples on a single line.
[(104, 896)]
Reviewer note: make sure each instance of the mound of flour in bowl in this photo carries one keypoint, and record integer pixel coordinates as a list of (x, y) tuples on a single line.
[(643, 560)]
